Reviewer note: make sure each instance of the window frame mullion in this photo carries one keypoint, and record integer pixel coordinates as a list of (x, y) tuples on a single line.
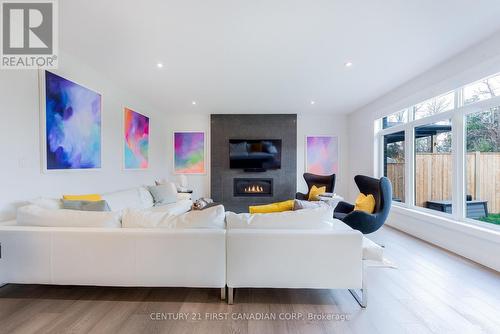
[(459, 159)]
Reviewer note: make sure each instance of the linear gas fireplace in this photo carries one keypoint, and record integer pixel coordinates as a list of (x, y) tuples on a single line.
[(253, 187)]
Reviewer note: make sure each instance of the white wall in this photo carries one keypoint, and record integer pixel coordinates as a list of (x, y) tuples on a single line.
[(20, 168), (21, 176), (475, 63), (318, 124)]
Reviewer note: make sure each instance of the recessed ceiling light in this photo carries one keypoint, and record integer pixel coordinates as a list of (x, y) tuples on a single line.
[(348, 64), (193, 103), (159, 65), (313, 102)]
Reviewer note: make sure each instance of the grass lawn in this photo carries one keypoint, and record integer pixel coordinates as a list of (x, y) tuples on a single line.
[(493, 218)]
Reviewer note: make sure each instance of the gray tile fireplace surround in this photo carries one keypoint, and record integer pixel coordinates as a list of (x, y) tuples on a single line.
[(269, 126)]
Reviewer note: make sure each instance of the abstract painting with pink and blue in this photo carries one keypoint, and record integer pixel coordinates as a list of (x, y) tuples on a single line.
[(189, 152), (136, 140), (322, 155), (73, 125)]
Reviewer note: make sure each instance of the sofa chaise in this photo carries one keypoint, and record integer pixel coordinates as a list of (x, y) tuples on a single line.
[(296, 250)]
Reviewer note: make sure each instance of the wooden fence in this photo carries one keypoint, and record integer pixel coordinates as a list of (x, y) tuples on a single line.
[(434, 172)]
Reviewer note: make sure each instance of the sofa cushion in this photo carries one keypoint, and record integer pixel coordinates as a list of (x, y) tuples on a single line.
[(136, 218), (314, 192), (213, 218), (209, 218), (47, 203), (273, 207), (32, 215), (146, 198), (135, 198), (176, 208), (318, 218), (365, 203), (89, 197), (164, 193), (303, 204), (86, 205)]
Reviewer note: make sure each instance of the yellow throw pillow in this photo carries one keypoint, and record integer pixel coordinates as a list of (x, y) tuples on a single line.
[(273, 207), (315, 191), (365, 203), (90, 197)]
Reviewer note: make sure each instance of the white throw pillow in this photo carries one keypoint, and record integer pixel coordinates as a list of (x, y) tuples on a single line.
[(146, 198), (123, 199), (209, 218), (176, 208), (164, 193), (318, 218), (47, 203), (33, 215), (213, 217)]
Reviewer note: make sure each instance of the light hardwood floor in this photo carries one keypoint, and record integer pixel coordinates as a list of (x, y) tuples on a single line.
[(432, 291)]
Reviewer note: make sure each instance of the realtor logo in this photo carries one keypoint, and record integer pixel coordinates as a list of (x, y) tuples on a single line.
[(29, 34)]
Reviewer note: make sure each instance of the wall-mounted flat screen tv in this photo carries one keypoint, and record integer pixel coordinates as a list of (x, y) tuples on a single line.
[(255, 154)]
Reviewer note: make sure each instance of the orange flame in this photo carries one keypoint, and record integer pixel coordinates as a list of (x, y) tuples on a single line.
[(254, 189)]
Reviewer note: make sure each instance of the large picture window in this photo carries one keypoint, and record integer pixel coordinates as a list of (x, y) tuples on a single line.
[(482, 90), (433, 166), (434, 106), (394, 163), (395, 119), (483, 166), (443, 154)]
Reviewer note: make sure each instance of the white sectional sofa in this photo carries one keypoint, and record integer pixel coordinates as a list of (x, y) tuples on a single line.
[(210, 248)]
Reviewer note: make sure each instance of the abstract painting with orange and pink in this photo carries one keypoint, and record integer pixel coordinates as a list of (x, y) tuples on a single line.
[(136, 140), (189, 152), (322, 155)]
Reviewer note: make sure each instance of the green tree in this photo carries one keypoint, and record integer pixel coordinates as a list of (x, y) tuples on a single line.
[(396, 152), (483, 131)]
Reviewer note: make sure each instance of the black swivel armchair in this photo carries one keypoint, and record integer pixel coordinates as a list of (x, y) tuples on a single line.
[(364, 222), (327, 181)]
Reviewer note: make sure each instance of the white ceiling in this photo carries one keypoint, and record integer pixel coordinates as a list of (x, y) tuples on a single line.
[(235, 56)]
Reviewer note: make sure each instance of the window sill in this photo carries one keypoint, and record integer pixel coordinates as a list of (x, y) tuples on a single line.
[(473, 229)]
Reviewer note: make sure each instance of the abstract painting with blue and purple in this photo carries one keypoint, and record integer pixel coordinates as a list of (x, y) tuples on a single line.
[(72, 125)]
